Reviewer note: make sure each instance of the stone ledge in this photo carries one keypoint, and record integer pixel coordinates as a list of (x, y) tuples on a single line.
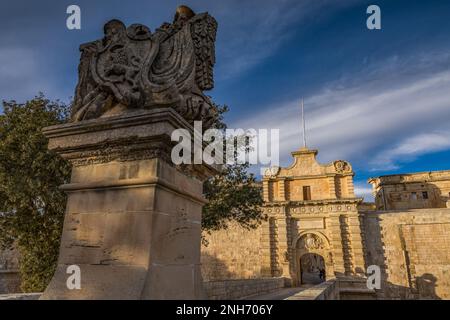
[(21, 296), (9, 271), (136, 182)]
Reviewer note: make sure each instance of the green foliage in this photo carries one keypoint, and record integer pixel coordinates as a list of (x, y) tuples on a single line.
[(31, 206), (233, 194)]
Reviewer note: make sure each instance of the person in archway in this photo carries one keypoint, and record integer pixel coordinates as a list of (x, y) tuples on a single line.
[(322, 274)]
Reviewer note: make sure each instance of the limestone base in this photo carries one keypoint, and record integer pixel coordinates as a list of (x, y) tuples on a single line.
[(133, 223)]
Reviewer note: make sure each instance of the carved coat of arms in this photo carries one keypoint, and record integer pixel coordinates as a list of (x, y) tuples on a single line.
[(133, 68), (342, 166), (310, 242)]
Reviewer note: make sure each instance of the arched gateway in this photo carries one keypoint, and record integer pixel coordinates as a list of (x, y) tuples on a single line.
[(312, 268), (313, 258), (314, 224)]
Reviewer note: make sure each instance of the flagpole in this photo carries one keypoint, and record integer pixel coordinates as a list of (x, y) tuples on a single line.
[(303, 124)]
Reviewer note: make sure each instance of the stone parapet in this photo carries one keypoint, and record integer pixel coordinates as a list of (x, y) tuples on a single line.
[(328, 290)]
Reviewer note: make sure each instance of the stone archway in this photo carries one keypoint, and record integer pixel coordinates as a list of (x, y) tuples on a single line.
[(312, 268), (312, 250)]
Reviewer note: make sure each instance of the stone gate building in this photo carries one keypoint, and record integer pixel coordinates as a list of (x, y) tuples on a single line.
[(318, 229), (419, 190), (313, 215)]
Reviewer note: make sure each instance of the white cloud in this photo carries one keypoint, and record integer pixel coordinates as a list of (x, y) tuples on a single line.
[(355, 121), (411, 148)]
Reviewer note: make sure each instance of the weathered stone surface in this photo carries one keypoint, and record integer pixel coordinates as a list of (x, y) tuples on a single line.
[(325, 224), (312, 209), (413, 250), (132, 68), (242, 288), (412, 247), (233, 253), (412, 190), (133, 221)]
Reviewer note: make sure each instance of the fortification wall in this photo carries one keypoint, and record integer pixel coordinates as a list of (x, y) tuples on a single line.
[(412, 248), (233, 253), (242, 288)]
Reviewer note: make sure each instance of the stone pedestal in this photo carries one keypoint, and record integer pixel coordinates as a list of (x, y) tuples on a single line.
[(133, 221)]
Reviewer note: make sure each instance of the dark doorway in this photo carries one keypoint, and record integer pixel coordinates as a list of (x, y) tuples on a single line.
[(312, 268)]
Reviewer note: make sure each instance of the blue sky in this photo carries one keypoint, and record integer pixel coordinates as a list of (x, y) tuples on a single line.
[(379, 99)]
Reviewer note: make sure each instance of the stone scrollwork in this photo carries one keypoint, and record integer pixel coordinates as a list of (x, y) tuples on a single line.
[(131, 68), (272, 171), (342, 166)]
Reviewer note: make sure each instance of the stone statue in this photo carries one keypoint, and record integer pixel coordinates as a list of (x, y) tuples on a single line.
[(132, 221), (132, 68)]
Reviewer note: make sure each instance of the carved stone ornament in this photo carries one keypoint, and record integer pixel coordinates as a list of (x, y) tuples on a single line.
[(342, 166), (132, 68), (311, 242), (272, 171)]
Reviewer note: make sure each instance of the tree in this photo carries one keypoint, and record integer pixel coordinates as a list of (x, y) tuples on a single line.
[(31, 205), (233, 194)]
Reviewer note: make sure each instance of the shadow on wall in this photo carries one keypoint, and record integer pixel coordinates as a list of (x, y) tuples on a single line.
[(415, 287), (214, 269), (424, 288), (426, 285)]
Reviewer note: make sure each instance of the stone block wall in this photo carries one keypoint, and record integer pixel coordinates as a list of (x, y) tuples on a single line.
[(233, 253), (412, 190), (9, 273), (242, 288), (413, 250)]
